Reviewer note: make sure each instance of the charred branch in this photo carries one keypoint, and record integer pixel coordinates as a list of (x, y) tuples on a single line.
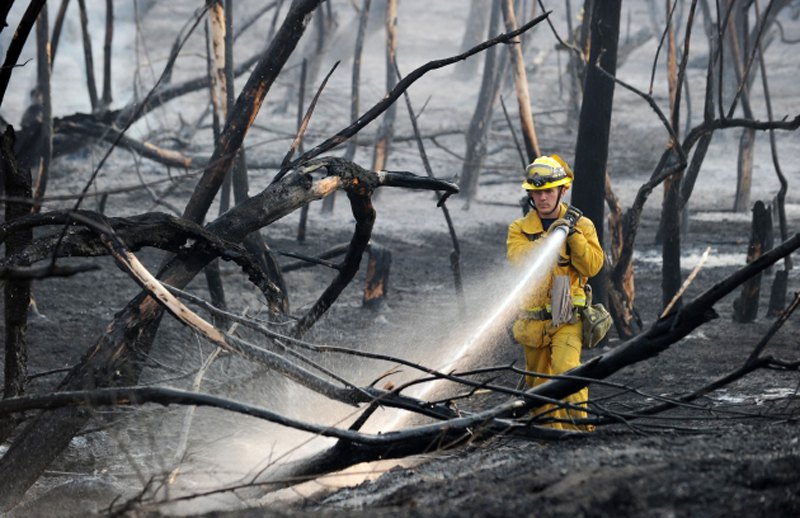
[(402, 85), (112, 359), (247, 106), (17, 42), (156, 230), (57, 26), (753, 362), (69, 130), (361, 447)]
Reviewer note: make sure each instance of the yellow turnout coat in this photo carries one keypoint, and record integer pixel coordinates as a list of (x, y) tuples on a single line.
[(553, 350)]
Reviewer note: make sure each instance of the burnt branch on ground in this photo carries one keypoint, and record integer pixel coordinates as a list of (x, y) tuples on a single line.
[(116, 350), (452, 429)]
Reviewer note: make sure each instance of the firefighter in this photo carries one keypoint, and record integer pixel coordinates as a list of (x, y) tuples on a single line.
[(548, 325)]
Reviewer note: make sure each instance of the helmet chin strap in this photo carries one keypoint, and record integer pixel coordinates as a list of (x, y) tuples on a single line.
[(560, 194)]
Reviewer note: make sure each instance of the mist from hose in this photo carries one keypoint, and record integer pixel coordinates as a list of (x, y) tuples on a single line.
[(508, 289), (443, 336), (535, 269)]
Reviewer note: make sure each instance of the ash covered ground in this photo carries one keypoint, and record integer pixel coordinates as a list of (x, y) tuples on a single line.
[(736, 452)]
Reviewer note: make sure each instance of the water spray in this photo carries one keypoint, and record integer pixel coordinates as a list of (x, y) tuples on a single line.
[(534, 271), (539, 264)]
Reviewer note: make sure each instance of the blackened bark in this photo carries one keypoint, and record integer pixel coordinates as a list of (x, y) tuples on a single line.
[(777, 295), (112, 360), (57, 25), (44, 148), (591, 150), (91, 84), (671, 242), (376, 286), (386, 130), (17, 292), (746, 306), (15, 47), (481, 118), (106, 99), (247, 107)]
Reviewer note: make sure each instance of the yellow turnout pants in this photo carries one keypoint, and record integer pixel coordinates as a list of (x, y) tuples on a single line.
[(552, 351)]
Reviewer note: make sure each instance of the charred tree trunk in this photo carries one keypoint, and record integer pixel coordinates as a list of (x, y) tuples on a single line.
[(521, 85), (216, 54), (670, 227), (134, 328), (106, 99), (303, 225), (701, 149), (744, 170), (591, 150), (91, 84), (622, 291), (690, 176), (44, 149), (217, 90), (777, 294), (736, 38), (745, 308), (57, 25), (386, 131), (17, 292), (482, 117), (473, 33)]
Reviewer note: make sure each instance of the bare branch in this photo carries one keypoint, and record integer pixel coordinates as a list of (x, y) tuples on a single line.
[(402, 85), (17, 43)]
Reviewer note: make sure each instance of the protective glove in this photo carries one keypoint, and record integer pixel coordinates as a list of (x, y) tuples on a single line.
[(573, 215)]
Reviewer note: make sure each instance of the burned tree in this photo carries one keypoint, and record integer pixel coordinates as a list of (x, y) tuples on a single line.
[(113, 360), (591, 148), (280, 345)]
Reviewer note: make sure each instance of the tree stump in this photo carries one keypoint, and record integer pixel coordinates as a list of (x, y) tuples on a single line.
[(777, 296), (745, 308), (377, 283)]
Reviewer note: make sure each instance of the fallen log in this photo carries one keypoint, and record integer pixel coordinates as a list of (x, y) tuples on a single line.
[(376, 286), (112, 360), (354, 447), (664, 332)]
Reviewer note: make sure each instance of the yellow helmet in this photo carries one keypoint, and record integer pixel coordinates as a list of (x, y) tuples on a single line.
[(547, 172)]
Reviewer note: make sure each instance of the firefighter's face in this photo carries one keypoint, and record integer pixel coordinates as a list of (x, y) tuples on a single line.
[(546, 201)]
